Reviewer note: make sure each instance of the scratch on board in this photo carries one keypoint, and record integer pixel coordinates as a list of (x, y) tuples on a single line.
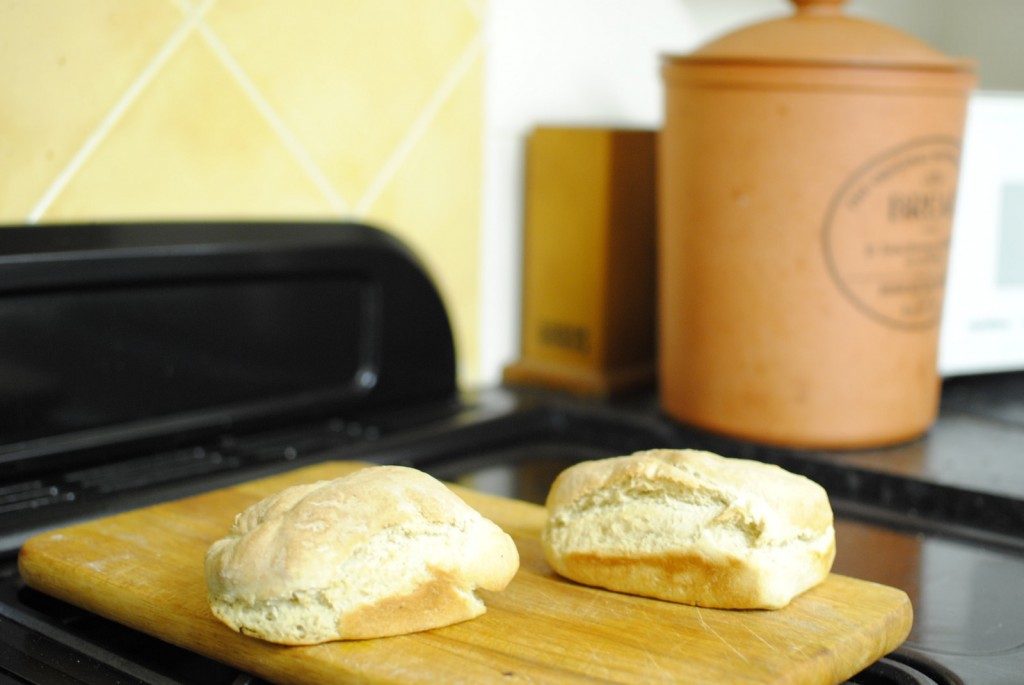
[(719, 636), (755, 634), (665, 674)]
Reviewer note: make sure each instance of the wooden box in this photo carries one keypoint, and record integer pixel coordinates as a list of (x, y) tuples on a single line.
[(588, 311)]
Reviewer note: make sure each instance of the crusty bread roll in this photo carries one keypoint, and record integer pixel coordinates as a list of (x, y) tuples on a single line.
[(690, 527), (385, 550)]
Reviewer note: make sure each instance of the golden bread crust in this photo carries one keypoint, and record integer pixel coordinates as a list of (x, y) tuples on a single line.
[(690, 527), (385, 550)]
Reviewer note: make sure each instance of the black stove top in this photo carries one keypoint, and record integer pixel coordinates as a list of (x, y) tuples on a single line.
[(941, 518)]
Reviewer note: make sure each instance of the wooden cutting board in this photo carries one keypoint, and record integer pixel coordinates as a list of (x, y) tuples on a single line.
[(144, 569)]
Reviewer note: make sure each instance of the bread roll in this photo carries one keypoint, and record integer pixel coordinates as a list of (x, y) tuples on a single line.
[(690, 527), (383, 551)]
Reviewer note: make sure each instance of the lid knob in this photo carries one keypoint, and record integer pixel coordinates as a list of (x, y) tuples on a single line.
[(818, 6)]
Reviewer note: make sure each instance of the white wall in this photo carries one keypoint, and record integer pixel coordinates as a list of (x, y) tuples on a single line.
[(568, 62), (987, 31), (595, 62)]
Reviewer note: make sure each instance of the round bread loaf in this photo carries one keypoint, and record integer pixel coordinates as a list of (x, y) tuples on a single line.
[(690, 527), (385, 550)]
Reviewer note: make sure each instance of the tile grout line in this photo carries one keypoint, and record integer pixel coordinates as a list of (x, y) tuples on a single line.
[(419, 125), (99, 134), (298, 151)]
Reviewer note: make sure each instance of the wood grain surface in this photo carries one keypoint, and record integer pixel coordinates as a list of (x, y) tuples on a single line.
[(144, 569)]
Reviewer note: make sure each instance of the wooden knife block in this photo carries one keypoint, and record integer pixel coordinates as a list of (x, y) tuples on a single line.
[(588, 311)]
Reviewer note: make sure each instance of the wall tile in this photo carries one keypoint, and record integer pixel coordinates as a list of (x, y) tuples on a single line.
[(193, 144), (370, 67), (63, 65)]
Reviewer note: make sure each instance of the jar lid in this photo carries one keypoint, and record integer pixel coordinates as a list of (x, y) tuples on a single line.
[(820, 33)]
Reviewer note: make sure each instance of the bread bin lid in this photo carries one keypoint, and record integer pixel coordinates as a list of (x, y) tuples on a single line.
[(819, 33)]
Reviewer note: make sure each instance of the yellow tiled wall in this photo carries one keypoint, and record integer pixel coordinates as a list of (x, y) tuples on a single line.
[(354, 109)]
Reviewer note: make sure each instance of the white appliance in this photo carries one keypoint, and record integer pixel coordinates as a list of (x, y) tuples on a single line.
[(983, 319)]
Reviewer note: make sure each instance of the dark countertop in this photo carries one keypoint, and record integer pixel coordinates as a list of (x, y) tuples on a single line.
[(977, 444)]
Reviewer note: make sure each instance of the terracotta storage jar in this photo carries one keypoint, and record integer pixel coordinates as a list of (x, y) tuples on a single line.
[(807, 174)]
